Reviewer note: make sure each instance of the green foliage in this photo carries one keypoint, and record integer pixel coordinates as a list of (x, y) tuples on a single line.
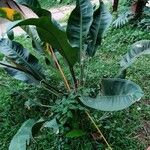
[(52, 124), (120, 94), (129, 16), (79, 23), (88, 29), (101, 21), (19, 63), (120, 128), (23, 137), (123, 19), (75, 134), (144, 23), (137, 49), (67, 107), (49, 33)]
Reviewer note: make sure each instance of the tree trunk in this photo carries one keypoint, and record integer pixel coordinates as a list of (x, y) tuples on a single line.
[(115, 5), (138, 7)]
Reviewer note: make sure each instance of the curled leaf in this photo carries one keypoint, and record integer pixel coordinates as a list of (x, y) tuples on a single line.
[(118, 94)]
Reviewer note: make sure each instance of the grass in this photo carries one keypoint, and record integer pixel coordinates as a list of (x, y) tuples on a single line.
[(123, 130)]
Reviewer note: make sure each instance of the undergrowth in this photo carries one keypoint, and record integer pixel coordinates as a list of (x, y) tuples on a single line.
[(122, 129)]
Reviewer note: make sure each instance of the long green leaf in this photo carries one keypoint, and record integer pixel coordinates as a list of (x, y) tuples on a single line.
[(23, 136), (18, 73), (45, 13), (32, 31), (79, 22), (37, 44), (118, 94), (19, 57), (51, 34), (137, 49), (101, 21)]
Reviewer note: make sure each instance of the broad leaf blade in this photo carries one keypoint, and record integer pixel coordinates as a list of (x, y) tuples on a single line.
[(20, 75), (17, 73), (21, 58), (51, 34), (23, 136), (101, 21), (45, 13), (105, 21), (32, 103), (79, 22), (37, 44), (75, 133), (118, 94), (32, 31), (52, 124), (137, 49)]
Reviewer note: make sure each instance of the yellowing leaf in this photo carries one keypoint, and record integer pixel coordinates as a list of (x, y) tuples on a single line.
[(10, 14)]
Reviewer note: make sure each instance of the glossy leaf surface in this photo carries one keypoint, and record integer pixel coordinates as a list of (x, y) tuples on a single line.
[(118, 94)]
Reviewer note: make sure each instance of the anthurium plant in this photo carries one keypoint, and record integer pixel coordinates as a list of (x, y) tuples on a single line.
[(80, 39)]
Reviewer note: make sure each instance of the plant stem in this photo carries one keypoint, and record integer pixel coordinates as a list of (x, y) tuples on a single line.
[(52, 87), (115, 5), (82, 72), (74, 77), (61, 71), (81, 57), (98, 130), (51, 91), (69, 89), (46, 106)]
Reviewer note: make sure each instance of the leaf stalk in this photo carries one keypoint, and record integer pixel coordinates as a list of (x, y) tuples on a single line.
[(60, 69), (99, 131)]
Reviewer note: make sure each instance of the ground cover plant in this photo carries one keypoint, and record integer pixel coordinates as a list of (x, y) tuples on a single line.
[(135, 13), (65, 109)]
